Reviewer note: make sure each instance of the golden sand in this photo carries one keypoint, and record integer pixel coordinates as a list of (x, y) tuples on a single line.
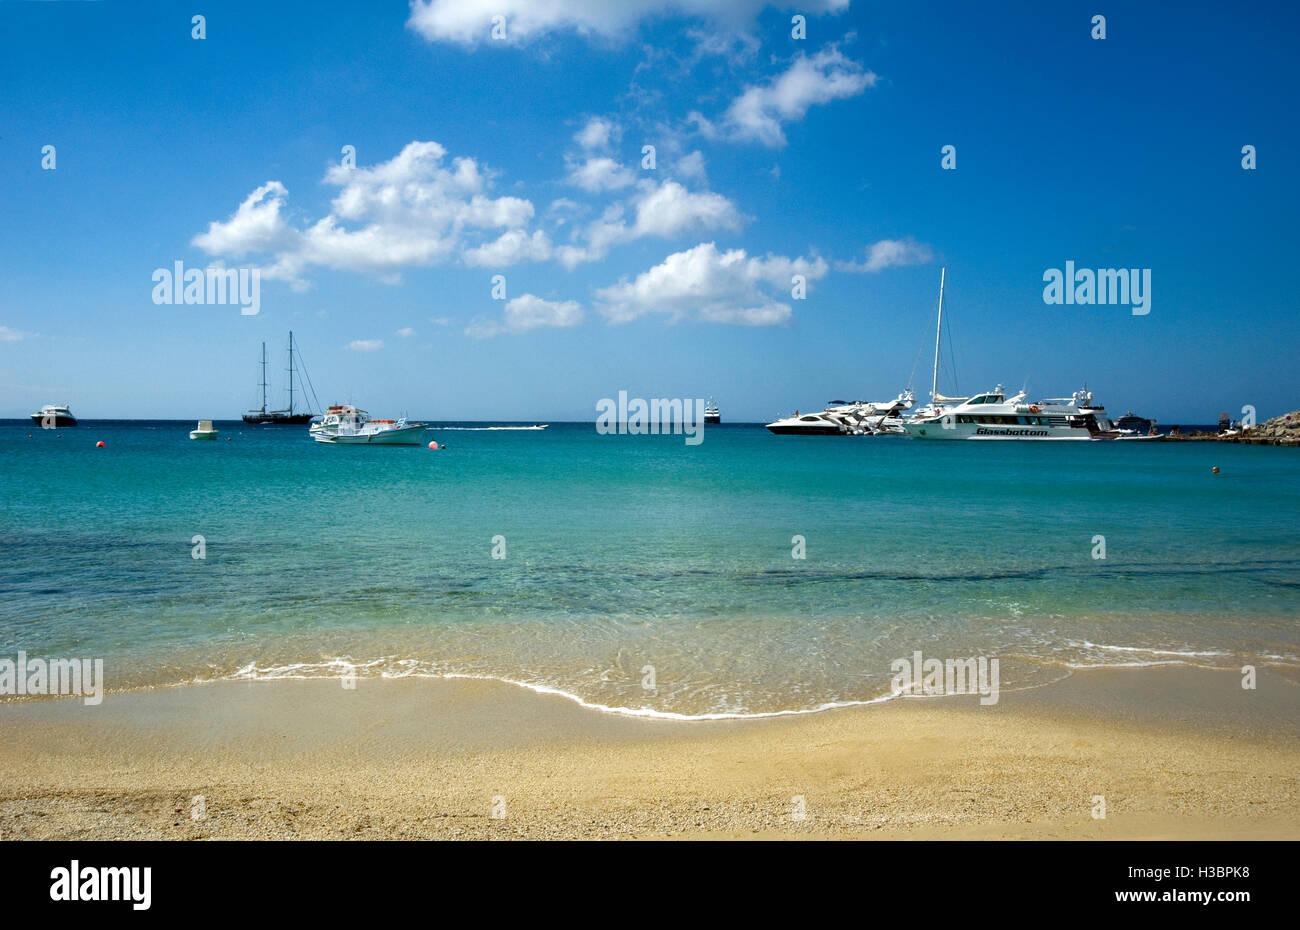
[(1175, 754)]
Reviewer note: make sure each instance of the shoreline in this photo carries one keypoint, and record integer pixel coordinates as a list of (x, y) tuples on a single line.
[(1176, 752)]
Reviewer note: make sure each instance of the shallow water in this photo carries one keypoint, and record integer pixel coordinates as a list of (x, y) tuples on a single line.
[(625, 553)]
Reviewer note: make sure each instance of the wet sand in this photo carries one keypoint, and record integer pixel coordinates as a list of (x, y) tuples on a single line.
[(1176, 753)]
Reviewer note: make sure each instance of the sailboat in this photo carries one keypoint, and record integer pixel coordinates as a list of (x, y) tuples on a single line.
[(287, 416)]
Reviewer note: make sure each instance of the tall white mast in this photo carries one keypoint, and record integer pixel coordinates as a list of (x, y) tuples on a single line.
[(934, 386)]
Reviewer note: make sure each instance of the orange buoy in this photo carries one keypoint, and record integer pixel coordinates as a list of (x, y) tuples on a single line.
[(1216, 469), (100, 444), (433, 445)]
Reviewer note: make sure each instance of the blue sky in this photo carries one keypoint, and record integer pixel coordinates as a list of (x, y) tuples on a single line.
[(522, 157)]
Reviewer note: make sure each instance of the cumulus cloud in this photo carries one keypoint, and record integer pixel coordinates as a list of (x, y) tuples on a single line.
[(691, 166), (469, 22), (598, 134), (525, 313), (706, 284), (600, 174), (406, 332), (365, 345), (888, 253), (256, 226), (414, 210), (510, 248), (761, 111), (665, 209)]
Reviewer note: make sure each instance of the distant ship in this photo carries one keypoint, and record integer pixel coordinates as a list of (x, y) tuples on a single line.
[(283, 417), (711, 413), (52, 415)]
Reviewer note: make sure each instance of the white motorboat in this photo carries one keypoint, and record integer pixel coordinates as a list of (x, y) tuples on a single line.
[(995, 416), (52, 415), (845, 418), (204, 431), (809, 424), (344, 424)]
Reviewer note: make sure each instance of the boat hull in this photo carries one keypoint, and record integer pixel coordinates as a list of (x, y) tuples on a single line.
[(405, 436), (203, 434), (806, 430), (60, 420), (278, 419)]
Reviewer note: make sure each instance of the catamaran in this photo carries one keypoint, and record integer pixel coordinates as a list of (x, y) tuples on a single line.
[(283, 417), (344, 424)]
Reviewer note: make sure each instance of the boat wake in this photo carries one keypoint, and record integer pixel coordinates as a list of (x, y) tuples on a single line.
[(486, 429)]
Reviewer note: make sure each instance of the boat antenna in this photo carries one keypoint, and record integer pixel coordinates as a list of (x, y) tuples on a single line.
[(934, 385)]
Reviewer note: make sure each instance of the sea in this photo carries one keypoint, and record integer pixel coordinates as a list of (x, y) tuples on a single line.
[(748, 575)]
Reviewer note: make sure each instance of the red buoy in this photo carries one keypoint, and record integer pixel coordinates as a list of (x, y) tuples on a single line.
[(433, 445), (100, 444)]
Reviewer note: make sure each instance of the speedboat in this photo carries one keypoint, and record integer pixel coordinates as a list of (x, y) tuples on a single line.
[(344, 424), (52, 415), (993, 415), (810, 424), (846, 418), (204, 431)]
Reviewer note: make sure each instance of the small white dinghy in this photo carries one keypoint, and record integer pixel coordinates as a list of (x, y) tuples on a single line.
[(205, 431)]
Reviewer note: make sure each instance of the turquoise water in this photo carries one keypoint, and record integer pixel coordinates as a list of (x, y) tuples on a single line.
[(624, 552)]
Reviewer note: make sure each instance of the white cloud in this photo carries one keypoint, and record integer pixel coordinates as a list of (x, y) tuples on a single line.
[(11, 335), (413, 210), (365, 345), (406, 332), (666, 209), (601, 174), (510, 248), (761, 110), (469, 22), (888, 253), (256, 226), (691, 166), (598, 134), (525, 313), (706, 284)]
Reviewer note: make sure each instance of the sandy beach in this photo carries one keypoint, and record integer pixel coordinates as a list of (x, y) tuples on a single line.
[(1176, 753)]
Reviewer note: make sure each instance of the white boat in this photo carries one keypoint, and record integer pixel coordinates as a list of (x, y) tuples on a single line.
[(994, 416), (204, 431), (711, 413), (52, 415), (845, 418), (344, 424)]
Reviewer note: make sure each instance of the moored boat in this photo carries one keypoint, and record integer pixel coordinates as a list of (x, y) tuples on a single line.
[(344, 424), (204, 431), (53, 415)]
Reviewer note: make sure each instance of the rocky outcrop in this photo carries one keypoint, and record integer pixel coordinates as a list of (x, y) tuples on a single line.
[(1283, 430)]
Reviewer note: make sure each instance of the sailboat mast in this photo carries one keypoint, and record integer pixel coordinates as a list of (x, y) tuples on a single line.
[(264, 377), (934, 386), (290, 372)]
